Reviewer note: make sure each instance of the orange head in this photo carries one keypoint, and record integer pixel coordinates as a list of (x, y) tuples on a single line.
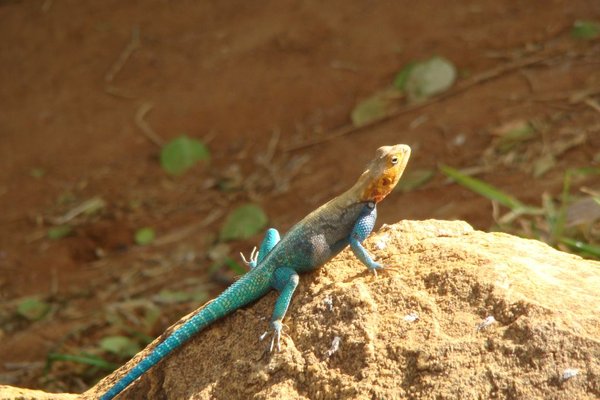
[(383, 172)]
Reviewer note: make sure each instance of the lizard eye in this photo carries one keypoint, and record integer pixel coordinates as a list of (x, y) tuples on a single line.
[(394, 160)]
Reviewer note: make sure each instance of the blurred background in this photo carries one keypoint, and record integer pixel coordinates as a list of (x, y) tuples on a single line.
[(144, 144)]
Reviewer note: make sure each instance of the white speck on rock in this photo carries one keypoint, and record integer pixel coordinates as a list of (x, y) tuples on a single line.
[(381, 242), (486, 322), (569, 373), (335, 346), (412, 317)]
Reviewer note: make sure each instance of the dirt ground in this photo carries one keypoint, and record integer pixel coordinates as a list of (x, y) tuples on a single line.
[(76, 104)]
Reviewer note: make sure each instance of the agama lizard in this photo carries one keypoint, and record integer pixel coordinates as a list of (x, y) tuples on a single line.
[(345, 220)]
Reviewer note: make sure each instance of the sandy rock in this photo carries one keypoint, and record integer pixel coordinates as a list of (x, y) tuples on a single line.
[(468, 315), (15, 393)]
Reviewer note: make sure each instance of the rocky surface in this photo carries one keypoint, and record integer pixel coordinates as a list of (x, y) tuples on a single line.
[(14, 393), (468, 315)]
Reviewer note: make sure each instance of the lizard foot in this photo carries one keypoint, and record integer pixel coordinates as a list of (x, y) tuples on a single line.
[(382, 268), (277, 328), (277, 332), (253, 258)]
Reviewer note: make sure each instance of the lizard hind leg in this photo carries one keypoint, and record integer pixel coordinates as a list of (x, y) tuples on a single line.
[(272, 237), (285, 280)]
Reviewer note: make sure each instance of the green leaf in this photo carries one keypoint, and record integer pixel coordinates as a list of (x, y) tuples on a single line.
[(585, 30), (543, 164), (120, 345), (37, 172), (368, 110), (482, 188), (512, 134), (173, 297), (243, 222), (144, 236), (570, 175), (182, 153), (374, 108), (429, 77), (86, 359), (33, 308), (59, 232), (402, 76)]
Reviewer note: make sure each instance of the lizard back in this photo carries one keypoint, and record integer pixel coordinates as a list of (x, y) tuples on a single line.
[(316, 239)]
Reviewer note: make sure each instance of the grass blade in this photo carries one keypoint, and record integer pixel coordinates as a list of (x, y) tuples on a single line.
[(82, 359), (483, 188), (578, 245)]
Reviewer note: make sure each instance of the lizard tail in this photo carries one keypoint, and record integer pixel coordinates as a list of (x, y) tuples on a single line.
[(229, 301), (198, 322)]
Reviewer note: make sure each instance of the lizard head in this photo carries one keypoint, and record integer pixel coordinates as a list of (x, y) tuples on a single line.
[(383, 172)]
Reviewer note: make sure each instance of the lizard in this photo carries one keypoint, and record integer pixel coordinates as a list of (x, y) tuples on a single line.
[(346, 220)]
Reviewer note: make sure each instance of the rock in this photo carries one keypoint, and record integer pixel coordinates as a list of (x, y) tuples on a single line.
[(15, 393), (423, 332)]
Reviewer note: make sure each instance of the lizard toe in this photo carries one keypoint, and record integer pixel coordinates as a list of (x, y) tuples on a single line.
[(384, 269), (277, 329)]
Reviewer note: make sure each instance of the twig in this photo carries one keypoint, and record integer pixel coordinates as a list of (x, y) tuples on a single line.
[(88, 206), (187, 230), (133, 45), (54, 282), (458, 89), (118, 92), (144, 126), (575, 96), (266, 158), (529, 80), (592, 103)]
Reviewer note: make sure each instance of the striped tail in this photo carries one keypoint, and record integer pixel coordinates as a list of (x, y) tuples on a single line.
[(237, 295)]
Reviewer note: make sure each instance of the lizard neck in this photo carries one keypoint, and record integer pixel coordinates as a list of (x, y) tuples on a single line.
[(356, 194), (371, 187)]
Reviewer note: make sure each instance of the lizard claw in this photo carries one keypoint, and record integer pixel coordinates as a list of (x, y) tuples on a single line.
[(253, 258), (382, 268), (373, 267), (277, 328)]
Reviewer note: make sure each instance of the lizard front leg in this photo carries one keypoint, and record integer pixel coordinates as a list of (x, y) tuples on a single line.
[(285, 280), (362, 228)]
